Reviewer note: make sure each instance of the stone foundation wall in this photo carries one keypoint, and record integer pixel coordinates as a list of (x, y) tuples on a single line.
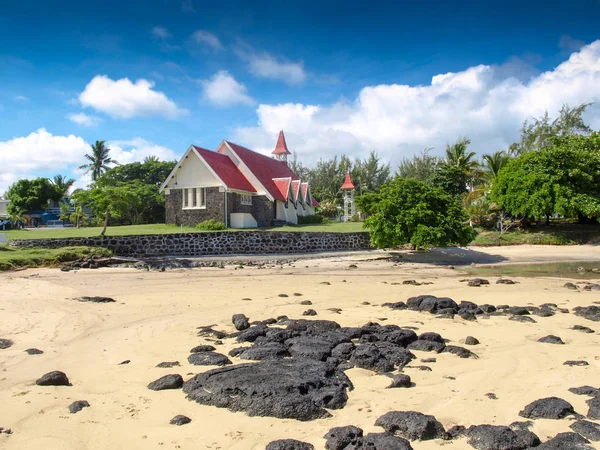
[(212, 243), (175, 215)]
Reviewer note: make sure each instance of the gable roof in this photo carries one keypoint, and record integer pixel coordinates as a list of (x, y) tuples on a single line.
[(296, 190), (265, 169), (281, 147), (283, 186), (225, 170)]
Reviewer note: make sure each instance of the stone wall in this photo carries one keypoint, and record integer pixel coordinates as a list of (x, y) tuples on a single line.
[(215, 208), (262, 208), (212, 243)]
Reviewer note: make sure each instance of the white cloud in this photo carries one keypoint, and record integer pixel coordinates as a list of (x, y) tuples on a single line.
[(481, 102), (223, 90), (84, 120), (265, 65), (38, 152), (21, 99), (206, 38), (123, 99), (161, 33), (137, 149), (569, 43), (187, 6)]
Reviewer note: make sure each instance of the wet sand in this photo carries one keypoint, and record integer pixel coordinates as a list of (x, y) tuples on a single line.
[(157, 313)]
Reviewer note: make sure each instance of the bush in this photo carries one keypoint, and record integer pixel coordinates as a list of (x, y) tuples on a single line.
[(328, 209), (355, 218), (211, 225), (305, 220), (412, 212)]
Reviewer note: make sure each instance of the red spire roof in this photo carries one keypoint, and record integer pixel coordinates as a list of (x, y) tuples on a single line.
[(264, 169), (348, 182), (281, 147)]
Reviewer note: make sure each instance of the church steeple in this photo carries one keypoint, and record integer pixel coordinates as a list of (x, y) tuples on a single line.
[(281, 151)]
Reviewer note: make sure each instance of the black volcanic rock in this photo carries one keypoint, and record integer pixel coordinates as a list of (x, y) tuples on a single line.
[(172, 381), (208, 359), (55, 378), (289, 444), (77, 406), (286, 389), (548, 408), (412, 425), (180, 420)]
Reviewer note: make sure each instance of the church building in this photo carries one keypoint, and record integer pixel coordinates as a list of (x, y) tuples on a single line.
[(237, 186)]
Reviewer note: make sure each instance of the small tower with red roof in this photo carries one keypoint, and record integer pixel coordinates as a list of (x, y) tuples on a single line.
[(348, 188), (281, 151)]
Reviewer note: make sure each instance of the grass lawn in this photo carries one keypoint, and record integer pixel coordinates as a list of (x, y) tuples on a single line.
[(11, 259), (40, 233), (551, 235)]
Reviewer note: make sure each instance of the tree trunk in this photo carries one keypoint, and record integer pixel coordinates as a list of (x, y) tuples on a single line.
[(547, 220), (106, 217)]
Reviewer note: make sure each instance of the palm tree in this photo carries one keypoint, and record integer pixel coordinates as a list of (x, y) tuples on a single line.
[(458, 156), (62, 184), (151, 159), (99, 160), (493, 163)]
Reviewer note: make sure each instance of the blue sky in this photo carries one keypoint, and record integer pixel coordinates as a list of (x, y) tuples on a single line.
[(339, 77)]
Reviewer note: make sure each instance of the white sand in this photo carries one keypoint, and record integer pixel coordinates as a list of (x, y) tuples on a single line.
[(155, 320)]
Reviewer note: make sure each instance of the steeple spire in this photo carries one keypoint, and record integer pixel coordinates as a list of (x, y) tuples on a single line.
[(281, 151)]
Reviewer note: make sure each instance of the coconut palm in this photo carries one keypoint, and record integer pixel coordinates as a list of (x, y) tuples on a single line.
[(492, 164), (457, 155), (151, 159), (61, 185), (99, 160)]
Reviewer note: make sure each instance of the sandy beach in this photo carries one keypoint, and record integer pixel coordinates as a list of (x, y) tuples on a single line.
[(156, 316)]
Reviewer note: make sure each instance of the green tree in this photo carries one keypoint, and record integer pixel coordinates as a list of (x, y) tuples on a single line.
[(421, 167), (538, 133), (451, 179), (78, 216), (413, 212), (100, 160), (370, 174), (563, 179), (457, 155), (29, 195), (61, 185)]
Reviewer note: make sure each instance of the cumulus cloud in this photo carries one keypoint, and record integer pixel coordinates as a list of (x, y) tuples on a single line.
[(123, 99), (205, 38), (161, 33), (83, 119), (137, 149), (569, 43), (265, 65), (40, 151), (223, 90), (396, 120)]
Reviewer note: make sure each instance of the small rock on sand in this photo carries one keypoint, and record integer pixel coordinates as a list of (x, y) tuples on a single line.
[(77, 406), (33, 351), (180, 420), (56, 378), (172, 381)]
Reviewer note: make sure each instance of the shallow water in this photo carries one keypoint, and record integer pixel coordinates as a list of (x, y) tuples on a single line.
[(559, 270)]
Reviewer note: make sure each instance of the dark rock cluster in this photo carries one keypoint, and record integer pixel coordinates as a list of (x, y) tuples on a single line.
[(77, 406), (447, 307), (55, 378), (300, 364), (5, 343)]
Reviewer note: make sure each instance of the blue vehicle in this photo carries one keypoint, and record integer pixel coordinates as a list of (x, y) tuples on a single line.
[(5, 225)]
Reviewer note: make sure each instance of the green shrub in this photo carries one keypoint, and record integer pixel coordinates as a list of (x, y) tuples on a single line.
[(355, 218), (211, 225), (305, 220)]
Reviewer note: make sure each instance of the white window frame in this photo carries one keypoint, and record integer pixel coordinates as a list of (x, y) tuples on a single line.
[(246, 199), (193, 198)]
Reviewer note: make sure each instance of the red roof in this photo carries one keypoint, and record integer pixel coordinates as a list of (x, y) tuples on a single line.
[(283, 186), (296, 189), (315, 203), (304, 190), (265, 169), (348, 182), (225, 170), (281, 147)]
